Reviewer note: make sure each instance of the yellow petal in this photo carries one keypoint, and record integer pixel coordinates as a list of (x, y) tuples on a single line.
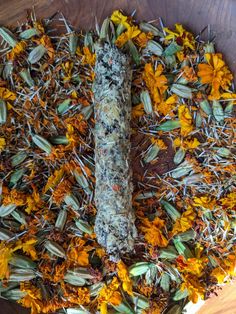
[(103, 308)]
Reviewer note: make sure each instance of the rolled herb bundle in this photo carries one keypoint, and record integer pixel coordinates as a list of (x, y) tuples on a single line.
[(114, 225)]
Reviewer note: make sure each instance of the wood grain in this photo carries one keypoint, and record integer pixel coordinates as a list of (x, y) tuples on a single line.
[(194, 14), (223, 303)]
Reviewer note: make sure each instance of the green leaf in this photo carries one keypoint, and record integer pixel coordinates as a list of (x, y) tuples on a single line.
[(36, 54), (8, 36), (171, 210), (182, 249), (179, 156), (179, 295), (154, 48), (28, 33), (140, 268), (205, 106), (181, 90), (169, 125), (172, 49), (73, 42), (63, 106), (134, 52), (16, 176), (147, 27), (141, 301), (151, 154), (165, 282), (218, 112), (22, 261), (186, 236), (168, 253), (104, 29), (146, 100)]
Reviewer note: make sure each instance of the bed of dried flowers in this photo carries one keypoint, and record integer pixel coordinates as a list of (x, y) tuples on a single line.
[(183, 101)]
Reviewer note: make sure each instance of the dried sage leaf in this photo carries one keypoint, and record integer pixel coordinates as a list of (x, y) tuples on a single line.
[(36, 54)]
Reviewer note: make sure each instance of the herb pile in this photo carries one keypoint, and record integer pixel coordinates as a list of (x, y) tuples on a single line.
[(182, 98)]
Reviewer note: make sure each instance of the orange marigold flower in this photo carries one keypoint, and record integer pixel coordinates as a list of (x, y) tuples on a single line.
[(57, 153), (152, 231), (156, 82), (89, 57), (6, 94), (72, 166), (226, 269), (34, 201), (229, 201), (100, 252), (185, 222), (154, 308), (186, 144), (78, 122), (80, 296), (2, 143), (45, 268), (186, 120), (145, 289), (78, 252), (46, 42), (189, 74), (195, 289), (206, 202), (194, 266), (181, 36), (138, 111), (5, 257), (13, 197), (59, 272), (131, 33), (229, 96), (109, 294), (158, 142), (142, 39), (55, 304), (28, 247), (54, 179), (33, 298), (17, 50), (166, 107), (63, 188), (215, 73), (67, 68), (123, 275), (39, 27)]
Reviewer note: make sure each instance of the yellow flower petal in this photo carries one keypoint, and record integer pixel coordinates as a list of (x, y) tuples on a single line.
[(186, 121), (118, 18), (2, 143), (131, 33), (123, 275), (185, 222)]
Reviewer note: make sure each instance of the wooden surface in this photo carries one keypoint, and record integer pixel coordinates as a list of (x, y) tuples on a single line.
[(224, 303), (194, 14)]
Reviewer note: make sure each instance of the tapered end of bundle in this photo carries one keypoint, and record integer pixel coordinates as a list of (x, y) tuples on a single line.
[(117, 236)]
